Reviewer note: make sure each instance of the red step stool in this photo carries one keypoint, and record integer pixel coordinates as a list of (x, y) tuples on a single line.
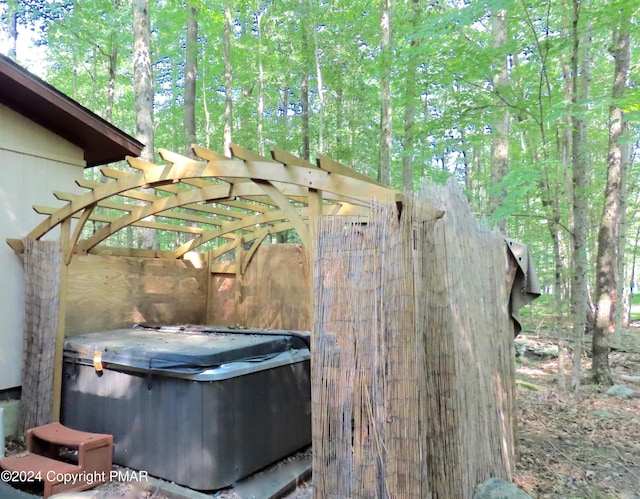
[(42, 461)]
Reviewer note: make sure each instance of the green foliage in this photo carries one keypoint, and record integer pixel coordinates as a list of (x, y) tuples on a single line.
[(454, 100), (529, 386)]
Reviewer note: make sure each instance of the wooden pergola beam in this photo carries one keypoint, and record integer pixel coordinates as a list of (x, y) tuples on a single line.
[(124, 207), (139, 213), (232, 227), (216, 197), (150, 198), (331, 166), (95, 217)]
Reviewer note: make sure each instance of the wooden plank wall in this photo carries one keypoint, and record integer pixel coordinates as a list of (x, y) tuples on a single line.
[(273, 293), (110, 292)]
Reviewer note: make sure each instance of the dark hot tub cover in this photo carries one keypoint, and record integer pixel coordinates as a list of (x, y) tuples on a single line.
[(181, 349)]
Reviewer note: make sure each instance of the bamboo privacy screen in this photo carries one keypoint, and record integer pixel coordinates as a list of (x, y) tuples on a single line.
[(42, 282), (412, 374)]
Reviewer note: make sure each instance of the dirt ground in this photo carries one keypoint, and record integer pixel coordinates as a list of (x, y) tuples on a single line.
[(584, 444)]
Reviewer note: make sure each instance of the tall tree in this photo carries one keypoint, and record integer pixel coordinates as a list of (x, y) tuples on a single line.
[(261, 82), (607, 259), (143, 77), (581, 175), (384, 162), (190, 72), (228, 79), (538, 141), (623, 303), (304, 85), (11, 20), (319, 84), (500, 125), (112, 57), (410, 104), (143, 91)]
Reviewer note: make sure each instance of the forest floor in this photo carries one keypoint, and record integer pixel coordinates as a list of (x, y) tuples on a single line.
[(582, 444)]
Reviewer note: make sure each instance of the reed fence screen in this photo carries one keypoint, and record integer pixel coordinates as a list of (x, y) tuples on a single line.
[(42, 295), (413, 371)]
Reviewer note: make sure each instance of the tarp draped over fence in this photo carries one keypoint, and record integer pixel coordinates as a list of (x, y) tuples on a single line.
[(413, 375)]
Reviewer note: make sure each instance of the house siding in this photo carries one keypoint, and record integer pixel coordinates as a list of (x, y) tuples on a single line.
[(33, 163)]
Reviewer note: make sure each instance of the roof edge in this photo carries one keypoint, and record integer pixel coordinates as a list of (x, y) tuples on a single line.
[(39, 101)]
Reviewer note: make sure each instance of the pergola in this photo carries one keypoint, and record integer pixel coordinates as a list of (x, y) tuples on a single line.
[(224, 207), (237, 201)]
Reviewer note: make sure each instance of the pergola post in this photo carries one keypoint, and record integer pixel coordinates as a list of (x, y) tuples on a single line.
[(65, 244), (315, 214)]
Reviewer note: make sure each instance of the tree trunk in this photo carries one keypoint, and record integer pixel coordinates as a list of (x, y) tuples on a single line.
[(410, 106), (111, 84), (205, 99), (384, 165), (284, 118), (94, 77), (304, 87), (580, 97), (607, 260), (408, 154), (468, 166), (304, 91), (632, 277), (12, 25), (143, 77), (500, 127), (143, 94), (228, 79), (172, 123), (554, 229), (622, 303), (565, 152), (339, 149), (319, 81), (190, 74), (260, 89)]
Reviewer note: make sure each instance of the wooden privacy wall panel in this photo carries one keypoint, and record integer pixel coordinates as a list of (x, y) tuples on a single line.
[(273, 293), (275, 289), (222, 307), (107, 292)]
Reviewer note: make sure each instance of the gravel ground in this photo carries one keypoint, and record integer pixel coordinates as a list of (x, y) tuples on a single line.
[(303, 491), (132, 490), (112, 490)]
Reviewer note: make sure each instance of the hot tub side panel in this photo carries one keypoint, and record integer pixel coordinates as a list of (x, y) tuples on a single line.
[(201, 434), (267, 416), (156, 422)]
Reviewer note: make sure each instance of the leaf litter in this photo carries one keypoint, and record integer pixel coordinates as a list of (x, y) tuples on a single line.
[(582, 444)]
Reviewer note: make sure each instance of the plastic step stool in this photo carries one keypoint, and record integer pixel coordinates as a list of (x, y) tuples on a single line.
[(42, 459)]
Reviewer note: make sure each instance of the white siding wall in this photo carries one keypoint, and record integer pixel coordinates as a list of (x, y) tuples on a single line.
[(33, 163)]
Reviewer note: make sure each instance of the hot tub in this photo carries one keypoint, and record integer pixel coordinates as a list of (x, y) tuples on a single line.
[(202, 407)]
